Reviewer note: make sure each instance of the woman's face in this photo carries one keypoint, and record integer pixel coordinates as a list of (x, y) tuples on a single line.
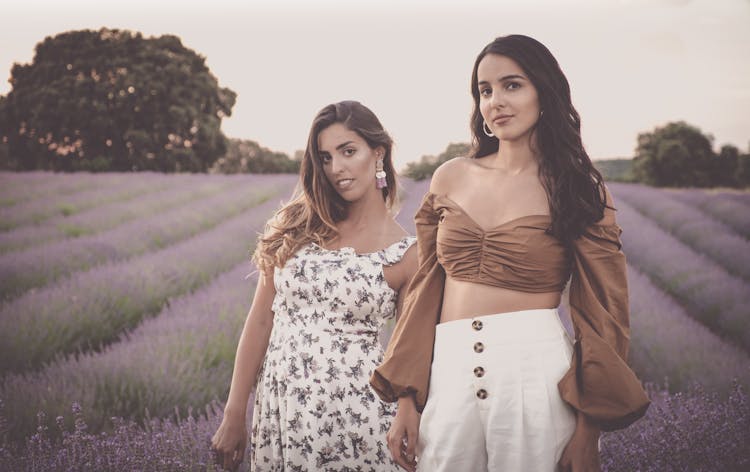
[(508, 101), (348, 162)]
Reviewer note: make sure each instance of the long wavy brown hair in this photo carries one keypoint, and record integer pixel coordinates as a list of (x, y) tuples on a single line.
[(315, 208), (575, 189)]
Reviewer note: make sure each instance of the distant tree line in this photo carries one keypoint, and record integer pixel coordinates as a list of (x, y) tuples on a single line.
[(245, 156), (674, 155), (426, 165), (681, 155)]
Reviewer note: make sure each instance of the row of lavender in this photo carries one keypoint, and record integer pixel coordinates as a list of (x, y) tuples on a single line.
[(704, 286), (692, 225), (93, 307), (39, 266), (181, 358), (39, 206), (21, 187), (106, 216)]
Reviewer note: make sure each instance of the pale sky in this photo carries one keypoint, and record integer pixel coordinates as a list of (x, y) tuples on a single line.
[(632, 64)]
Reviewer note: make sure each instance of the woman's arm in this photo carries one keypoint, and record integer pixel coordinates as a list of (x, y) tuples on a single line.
[(404, 431), (600, 386), (252, 347), (230, 439)]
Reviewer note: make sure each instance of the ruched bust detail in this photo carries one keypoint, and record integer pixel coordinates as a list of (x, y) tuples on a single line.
[(519, 254)]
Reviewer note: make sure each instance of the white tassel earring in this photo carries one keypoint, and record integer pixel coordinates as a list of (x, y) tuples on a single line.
[(380, 174)]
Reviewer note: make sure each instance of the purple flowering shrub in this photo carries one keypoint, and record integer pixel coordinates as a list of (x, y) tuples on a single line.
[(94, 307), (731, 209), (172, 444), (690, 225), (120, 187), (106, 216), (668, 346), (41, 265), (182, 358), (22, 187), (693, 430), (709, 293)]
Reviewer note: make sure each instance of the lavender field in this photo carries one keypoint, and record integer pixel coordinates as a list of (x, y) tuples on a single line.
[(122, 297)]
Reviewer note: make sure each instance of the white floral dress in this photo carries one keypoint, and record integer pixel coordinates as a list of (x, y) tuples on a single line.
[(314, 408)]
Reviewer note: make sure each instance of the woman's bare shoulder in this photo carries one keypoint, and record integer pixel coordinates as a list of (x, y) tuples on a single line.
[(449, 174)]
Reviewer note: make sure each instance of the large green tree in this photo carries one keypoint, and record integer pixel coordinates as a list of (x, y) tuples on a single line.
[(675, 155), (114, 100)]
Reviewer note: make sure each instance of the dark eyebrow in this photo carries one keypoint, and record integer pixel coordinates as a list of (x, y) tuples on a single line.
[(504, 78), (344, 145)]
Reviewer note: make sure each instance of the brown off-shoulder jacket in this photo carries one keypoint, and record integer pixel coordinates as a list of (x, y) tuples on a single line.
[(521, 255)]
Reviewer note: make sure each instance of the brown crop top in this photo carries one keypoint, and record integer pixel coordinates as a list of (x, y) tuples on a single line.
[(520, 255)]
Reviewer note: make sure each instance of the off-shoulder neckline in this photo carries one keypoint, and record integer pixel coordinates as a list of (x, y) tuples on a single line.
[(474, 222), (429, 194), (362, 254)]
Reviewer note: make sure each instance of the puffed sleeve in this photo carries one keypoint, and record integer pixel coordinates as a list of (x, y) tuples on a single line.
[(408, 358), (599, 383)]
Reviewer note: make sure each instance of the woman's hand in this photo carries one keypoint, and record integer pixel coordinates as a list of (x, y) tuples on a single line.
[(228, 443), (582, 452), (403, 435)]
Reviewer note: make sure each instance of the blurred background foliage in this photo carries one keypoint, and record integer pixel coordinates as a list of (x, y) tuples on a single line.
[(245, 156), (112, 100), (674, 155)]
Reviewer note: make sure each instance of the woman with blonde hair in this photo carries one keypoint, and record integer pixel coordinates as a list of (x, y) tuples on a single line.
[(333, 263), (479, 348)]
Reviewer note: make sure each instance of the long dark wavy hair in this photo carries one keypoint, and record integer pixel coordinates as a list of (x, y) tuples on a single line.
[(574, 187), (316, 207)]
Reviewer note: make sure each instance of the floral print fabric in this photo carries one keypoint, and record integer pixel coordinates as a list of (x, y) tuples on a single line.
[(314, 408)]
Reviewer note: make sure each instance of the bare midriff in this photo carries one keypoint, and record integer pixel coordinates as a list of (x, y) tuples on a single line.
[(463, 300)]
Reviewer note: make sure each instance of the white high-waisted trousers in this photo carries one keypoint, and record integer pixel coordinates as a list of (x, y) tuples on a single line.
[(493, 403)]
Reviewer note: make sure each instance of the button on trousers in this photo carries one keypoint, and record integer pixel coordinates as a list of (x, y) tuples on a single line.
[(493, 403)]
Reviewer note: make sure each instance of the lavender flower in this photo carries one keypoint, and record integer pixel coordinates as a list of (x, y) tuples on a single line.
[(106, 216), (193, 339), (667, 346), (94, 307), (38, 266), (690, 225), (20, 187), (710, 294), (695, 430), (173, 444), (39, 209), (732, 211)]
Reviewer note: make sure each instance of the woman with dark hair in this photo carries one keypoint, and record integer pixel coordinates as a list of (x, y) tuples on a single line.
[(500, 233), (333, 263)]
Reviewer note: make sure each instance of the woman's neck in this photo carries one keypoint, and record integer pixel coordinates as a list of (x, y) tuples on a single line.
[(365, 213), (514, 157)]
